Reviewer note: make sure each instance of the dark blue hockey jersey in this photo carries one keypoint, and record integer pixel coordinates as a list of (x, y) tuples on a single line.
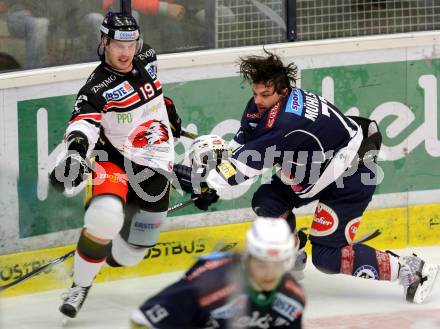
[(214, 294), (306, 137)]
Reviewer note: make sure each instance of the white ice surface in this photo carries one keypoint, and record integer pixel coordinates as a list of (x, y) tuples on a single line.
[(333, 302)]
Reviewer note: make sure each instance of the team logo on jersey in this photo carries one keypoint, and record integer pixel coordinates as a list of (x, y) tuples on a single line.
[(352, 228), (295, 103), (152, 132), (118, 92), (325, 221), (287, 307), (152, 70), (272, 116), (366, 272)]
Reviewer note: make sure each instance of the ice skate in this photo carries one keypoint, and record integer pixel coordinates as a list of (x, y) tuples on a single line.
[(301, 260), (299, 266), (73, 300), (417, 277)]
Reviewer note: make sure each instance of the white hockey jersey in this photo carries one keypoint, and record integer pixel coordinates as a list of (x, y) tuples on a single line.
[(127, 111)]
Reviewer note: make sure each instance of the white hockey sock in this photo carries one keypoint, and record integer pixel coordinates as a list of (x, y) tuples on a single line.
[(394, 266), (84, 271)]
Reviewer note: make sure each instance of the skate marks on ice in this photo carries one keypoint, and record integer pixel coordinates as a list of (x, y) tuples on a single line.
[(409, 319), (333, 301)]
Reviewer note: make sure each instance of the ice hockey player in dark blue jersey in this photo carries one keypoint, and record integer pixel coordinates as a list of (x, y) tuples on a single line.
[(319, 155), (225, 291)]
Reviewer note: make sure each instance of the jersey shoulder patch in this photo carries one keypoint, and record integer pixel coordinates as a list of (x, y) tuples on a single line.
[(147, 54), (295, 102)]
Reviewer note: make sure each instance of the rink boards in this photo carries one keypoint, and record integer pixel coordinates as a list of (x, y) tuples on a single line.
[(176, 250), (391, 79)]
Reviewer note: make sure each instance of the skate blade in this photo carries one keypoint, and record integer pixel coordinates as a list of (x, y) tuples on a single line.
[(430, 271)]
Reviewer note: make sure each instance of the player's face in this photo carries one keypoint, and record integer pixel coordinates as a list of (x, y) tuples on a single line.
[(264, 276), (119, 55), (265, 96)]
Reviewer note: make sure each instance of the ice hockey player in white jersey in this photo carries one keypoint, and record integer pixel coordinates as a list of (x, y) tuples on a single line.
[(122, 120), (225, 290), (319, 155)]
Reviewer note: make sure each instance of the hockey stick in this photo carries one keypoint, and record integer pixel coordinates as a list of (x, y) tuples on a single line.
[(367, 237), (72, 252), (38, 270), (182, 204), (188, 134)]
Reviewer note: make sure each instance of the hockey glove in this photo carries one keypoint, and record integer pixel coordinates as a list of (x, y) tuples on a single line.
[(183, 174), (69, 172), (173, 117), (205, 195)]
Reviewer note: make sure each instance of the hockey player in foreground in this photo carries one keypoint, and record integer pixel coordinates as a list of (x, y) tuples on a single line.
[(224, 290), (319, 154), (120, 116)]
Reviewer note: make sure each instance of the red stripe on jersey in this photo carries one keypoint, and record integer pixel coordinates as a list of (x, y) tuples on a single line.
[(384, 265), (157, 84), (96, 117), (347, 260), (133, 99), (296, 289), (90, 260)]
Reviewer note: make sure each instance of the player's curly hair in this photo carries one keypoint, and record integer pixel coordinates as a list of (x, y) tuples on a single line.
[(268, 70)]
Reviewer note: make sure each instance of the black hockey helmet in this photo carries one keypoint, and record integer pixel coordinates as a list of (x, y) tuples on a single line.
[(120, 26)]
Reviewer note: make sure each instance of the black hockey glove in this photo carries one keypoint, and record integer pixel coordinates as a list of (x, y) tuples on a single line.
[(205, 195), (71, 169), (173, 117), (183, 174)]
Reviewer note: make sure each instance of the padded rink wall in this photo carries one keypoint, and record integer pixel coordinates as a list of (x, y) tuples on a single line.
[(392, 79)]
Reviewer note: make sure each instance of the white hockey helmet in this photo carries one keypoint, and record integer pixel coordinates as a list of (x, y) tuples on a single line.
[(206, 147), (270, 240)]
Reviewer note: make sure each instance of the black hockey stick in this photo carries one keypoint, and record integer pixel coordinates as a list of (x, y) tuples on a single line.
[(38, 270), (367, 237), (182, 204), (72, 252)]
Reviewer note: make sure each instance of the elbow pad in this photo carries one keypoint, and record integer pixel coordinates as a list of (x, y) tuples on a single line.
[(77, 141)]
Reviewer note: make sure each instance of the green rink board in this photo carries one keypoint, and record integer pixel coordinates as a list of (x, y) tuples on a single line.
[(371, 88)]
